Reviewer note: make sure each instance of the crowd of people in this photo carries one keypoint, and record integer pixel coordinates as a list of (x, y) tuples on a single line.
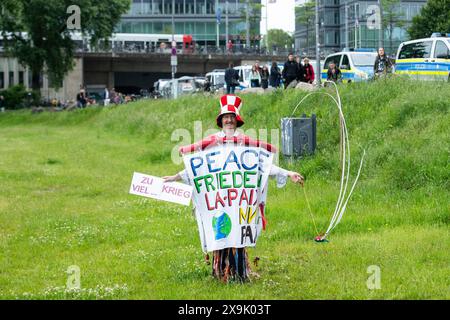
[(296, 71), (83, 100), (383, 66), (261, 77), (105, 99)]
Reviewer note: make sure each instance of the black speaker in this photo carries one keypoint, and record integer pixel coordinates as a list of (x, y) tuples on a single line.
[(298, 136)]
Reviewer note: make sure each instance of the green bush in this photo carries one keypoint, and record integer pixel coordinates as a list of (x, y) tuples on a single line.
[(17, 97), (14, 97)]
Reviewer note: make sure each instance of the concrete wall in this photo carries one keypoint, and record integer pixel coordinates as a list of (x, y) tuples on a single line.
[(71, 83), (155, 63), (8, 65), (70, 87)]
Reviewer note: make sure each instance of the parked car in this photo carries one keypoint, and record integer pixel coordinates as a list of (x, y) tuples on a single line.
[(216, 80), (160, 90), (425, 59)]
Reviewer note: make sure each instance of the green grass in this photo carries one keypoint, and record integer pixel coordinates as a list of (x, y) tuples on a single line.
[(64, 201)]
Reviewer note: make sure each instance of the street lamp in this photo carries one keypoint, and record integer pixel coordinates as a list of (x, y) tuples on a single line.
[(173, 20), (319, 74), (380, 31), (173, 57), (267, 28), (346, 25), (247, 21), (218, 17), (226, 24)]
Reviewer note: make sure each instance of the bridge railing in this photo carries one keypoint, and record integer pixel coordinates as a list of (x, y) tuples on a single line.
[(197, 50), (237, 49)]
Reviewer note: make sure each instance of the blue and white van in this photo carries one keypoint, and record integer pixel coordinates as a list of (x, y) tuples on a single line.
[(216, 79), (244, 76), (355, 66), (245, 71), (425, 59)]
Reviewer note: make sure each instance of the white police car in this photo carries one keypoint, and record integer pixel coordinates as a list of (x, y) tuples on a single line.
[(355, 65), (216, 79), (425, 59)]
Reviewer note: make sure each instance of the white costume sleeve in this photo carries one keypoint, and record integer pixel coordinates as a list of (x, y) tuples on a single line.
[(184, 176), (280, 174)]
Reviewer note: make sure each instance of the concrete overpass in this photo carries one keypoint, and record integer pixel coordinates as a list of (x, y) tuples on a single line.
[(126, 71), (140, 70)]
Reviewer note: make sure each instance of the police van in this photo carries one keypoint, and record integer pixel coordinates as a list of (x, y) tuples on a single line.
[(425, 59), (245, 73), (355, 65), (244, 76), (216, 79)]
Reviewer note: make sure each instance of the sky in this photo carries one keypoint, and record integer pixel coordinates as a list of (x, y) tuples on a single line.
[(280, 15)]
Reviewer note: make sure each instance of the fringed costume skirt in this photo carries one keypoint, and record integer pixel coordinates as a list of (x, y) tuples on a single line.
[(231, 264)]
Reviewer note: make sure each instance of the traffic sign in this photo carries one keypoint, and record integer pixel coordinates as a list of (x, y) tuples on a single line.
[(173, 61)]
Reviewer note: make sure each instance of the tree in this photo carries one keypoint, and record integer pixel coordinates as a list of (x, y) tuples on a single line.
[(279, 38), (254, 17), (392, 18), (433, 17), (37, 32), (305, 16)]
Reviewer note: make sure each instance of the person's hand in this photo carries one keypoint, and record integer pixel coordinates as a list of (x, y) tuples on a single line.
[(170, 178), (296, 177)]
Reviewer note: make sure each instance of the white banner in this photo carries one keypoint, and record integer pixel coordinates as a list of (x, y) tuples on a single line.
[(229, 185), (154, 187)]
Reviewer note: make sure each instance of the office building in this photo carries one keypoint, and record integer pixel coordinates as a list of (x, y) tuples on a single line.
[(352, 24), (193, 17)]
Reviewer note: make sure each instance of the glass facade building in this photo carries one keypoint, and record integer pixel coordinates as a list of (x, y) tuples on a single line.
[(347, 23), (192, 17)]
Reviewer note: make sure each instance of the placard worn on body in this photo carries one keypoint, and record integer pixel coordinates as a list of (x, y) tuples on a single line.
[(229, 186)]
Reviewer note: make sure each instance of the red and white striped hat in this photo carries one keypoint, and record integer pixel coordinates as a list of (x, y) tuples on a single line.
[(230, 103)]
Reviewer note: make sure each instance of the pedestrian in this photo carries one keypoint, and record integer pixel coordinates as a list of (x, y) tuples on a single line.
[(81, 99), (207, 85), (308, 71), (383, 65), (290, 70), (258, 67), (300, 70), (2, 104), (113, 95), (333, 73), (230, 46), (106, 97), (275, 75), (255, 77), (265, 77), (231, 78), (232, 263)]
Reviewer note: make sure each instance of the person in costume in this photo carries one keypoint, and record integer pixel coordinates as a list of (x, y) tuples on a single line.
[(233, 263)]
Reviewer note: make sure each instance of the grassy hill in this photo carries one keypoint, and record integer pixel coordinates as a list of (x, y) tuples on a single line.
[(64, 200)]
